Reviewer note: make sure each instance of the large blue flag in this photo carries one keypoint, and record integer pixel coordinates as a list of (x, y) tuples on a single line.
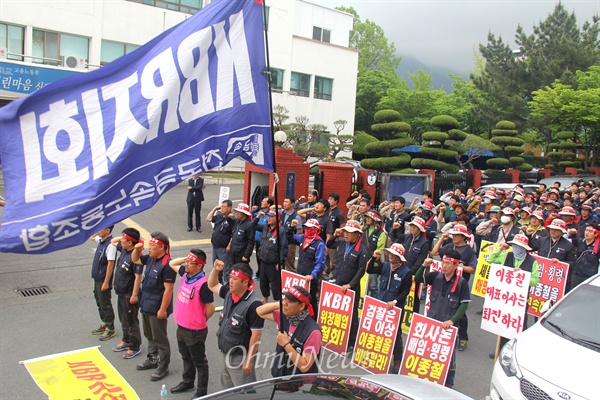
[(90, 150)]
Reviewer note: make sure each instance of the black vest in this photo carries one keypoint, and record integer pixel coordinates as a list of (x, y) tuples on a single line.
[(282, 365), (587, 261), (222, 231), (288, 222), (443, 307), (348, 264), (124, 274), (153, 287), (100, 262), (268, 246), (373, 238), (233, 329)]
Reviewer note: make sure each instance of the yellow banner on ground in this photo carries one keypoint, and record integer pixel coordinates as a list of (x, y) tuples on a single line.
[(482, 272), (79, 374)]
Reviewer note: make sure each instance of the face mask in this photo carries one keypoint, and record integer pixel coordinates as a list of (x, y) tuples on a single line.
[(487, 201), (505, 219), (519, 252), (426, 214), (98, 239)]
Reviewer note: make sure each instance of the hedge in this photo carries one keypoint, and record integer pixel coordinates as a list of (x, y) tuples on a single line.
[(566, 164), (361, 139), (386, 164), (524, 167), (514, 149), (384, 147), (405, 171), (516, 160)]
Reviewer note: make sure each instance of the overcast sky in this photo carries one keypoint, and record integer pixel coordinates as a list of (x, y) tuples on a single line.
[(446, 32)]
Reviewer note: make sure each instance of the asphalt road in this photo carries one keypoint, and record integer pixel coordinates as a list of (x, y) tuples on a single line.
[(63, 319)]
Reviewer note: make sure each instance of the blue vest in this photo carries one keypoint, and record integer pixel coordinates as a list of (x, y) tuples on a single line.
[(153, 287), (233, 329), (391, 282), (444, 305), (100, 263)]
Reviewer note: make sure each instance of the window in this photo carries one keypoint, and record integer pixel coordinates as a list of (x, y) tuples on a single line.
[(276, 80), (51, 46), (185, 6), (110, 51), (321, 34), (11, 37), (300, 84), (323, 88)]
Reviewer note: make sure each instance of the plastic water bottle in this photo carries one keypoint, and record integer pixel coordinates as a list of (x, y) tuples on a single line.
[(163, 391)]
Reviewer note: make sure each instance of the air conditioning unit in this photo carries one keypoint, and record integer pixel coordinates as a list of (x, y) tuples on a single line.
[(74, 62), (3, 53)]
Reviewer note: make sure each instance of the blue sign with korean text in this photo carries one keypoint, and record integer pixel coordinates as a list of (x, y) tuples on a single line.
[(87, 151), (290, 184), (27, 79)]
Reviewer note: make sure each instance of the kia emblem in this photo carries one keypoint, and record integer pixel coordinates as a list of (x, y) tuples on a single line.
[(564, 395)]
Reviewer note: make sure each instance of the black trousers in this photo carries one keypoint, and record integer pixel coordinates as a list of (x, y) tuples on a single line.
[(192, 347), (128, 316), (270, 280), (105, 308), (194, 206)]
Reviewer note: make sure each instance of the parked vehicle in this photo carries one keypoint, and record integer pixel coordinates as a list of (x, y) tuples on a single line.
[(328, 386), (559, 356)]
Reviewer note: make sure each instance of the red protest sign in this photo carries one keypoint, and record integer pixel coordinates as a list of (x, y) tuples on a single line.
[(505, 301), (551, 285), (335, 316), (376, 336), (428, 350), (289, 279)]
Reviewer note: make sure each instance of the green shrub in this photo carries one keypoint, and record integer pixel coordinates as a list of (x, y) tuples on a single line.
[(457, 134), (505, 125), (528, 154), (387, 116), (554, 154), (395, 126), (425, 163), (386, 164), (405, 171), (438, 152), (564, 135), (550, 166), (361, 139), (505, 141), (566, 164), (444, 122), (514, 149), (437, 136), (516, 160), (569, 145), (504, 132), (498, 163), (385, 147), (524, 167)]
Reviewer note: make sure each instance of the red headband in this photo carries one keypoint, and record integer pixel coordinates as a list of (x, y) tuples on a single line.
[(242, 276), (592, 229), (453, 260), (161, 243), (191, 257), (303, 299), (131, 239)]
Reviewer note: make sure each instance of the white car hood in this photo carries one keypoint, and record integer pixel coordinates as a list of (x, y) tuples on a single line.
[(560, 362)]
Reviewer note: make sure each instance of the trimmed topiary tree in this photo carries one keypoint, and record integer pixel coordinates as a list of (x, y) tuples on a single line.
[(505, 136), (442, 145), (390, 133), (563, 154)]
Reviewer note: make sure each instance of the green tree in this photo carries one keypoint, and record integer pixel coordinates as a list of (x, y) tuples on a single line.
[(475, 147), (557, 48), (561, 107), (371, 86), (376, 53), (336, 142), (505, 137)]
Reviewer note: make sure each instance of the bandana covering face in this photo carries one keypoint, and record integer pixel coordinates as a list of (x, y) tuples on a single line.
[(519, 252), (309, 235), (295, 320)]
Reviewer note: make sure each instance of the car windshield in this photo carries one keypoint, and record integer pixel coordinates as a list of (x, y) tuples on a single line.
[(573, 317)]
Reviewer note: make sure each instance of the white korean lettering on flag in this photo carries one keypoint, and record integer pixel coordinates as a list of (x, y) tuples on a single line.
[(89, 150)]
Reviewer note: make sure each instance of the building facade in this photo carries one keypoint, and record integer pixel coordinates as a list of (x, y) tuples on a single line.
[(313, 70)]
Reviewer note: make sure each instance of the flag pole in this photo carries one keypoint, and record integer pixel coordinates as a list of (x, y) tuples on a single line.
[(276, 197)]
